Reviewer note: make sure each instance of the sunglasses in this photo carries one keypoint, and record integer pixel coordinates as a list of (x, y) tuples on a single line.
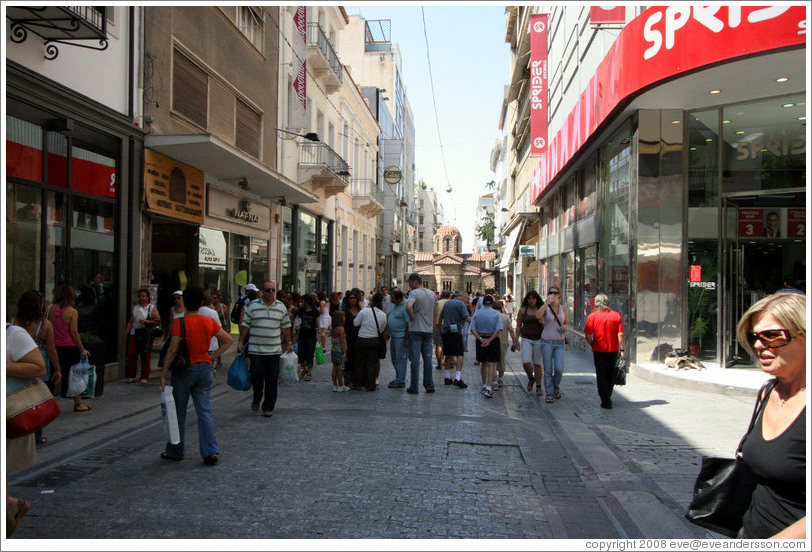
[(771, 339), (270, 290), (553, 292)]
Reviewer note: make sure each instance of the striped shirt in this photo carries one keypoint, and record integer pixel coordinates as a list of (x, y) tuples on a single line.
[(266, 323)]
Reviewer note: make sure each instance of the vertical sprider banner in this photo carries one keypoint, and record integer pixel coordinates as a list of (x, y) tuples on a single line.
[(538, 84), (298, 97)]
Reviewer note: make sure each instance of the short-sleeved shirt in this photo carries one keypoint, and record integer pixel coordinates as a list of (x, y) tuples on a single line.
[(486, 321), (398, 320), (454, 312), (18, 344), (266, 324), (211, 313), (424, 301), (199, 331), (604, 326)]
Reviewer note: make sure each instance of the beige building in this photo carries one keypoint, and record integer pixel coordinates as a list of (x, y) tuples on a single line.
[(448, 268)]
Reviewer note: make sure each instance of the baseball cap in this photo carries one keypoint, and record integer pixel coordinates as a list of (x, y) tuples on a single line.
[(487, 300), (251, 287), (178, 292)]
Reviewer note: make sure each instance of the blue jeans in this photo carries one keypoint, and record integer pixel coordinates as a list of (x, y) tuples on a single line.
[(264, 379), (421, 344), (552, 351), (397, 348), (466, 333), (195, 381)]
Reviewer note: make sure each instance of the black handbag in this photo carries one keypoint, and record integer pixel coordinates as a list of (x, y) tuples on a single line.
[(182, 358), (724, 488), (381, 338), (620, 371)]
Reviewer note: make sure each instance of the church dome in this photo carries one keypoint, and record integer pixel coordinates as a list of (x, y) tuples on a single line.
[(447, 231)]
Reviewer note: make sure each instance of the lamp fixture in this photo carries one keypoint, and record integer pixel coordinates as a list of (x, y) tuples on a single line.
[(505, 209), (312, 136), (782, 79), (449, 189), (715, 92)]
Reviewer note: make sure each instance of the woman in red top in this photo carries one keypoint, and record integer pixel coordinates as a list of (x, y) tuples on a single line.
[(604, 331), (195, 379)]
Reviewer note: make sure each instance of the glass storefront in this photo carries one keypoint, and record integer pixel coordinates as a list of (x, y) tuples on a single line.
[(74, 241)]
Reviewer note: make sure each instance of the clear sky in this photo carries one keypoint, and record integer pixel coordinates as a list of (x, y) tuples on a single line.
[(470, 65)]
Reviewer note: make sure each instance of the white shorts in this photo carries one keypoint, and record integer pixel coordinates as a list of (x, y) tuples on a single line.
[(531, 351)]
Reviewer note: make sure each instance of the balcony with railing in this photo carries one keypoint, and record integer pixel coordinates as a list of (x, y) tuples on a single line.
[(321, 166), (322, 58), (59, 25), (367, 198)]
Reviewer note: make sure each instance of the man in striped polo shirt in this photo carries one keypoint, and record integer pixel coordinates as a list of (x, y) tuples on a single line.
[(269, 324)]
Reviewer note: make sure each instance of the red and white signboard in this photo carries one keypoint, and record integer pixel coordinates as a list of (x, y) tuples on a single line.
[(298, 99), (751, 223), (539, 91), (663, 42), (796, 223), (600, 15), (695, 273)]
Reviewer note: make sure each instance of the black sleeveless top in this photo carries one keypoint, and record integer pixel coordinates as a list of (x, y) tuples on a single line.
[(780, 468)]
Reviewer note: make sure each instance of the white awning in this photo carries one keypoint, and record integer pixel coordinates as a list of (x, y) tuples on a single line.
[(510, 247)]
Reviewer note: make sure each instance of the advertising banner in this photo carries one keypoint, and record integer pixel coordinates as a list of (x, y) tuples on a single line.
[(663, 42), (796, 223), (172, 188), (600, 15), (539, 91), (298, 97), (751, 223)]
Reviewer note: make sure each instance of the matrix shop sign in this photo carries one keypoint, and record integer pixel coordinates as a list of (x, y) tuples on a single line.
[(661, 43)]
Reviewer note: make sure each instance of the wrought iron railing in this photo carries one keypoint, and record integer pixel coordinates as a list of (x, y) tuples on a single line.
[(366, 187), (316, 37), (59, 25), (318, 154)]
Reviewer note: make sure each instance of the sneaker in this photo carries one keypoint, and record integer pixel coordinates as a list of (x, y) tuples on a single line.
[(430, 390), (130, 380), (267, 413), (344, 388), (395, 385), (495, 386), (501, 383), (488, 393), (335, 389), (482, 389), (461, 384), (254, 406), (447, 381)]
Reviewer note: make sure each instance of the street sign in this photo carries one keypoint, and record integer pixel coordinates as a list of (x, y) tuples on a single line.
[(392, 174)]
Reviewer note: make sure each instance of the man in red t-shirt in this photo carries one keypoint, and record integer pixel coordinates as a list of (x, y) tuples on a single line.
[(604, 331), (194, 380)]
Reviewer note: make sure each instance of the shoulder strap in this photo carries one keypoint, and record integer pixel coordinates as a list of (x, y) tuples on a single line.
[(39, 329), (376, 321), (182, 328), (761, 401), (554, 314)]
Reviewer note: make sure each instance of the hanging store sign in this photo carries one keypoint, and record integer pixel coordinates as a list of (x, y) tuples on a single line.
[(392, 174), (539, 92), (599, 15), (237, 209), (172, 189), (661, 43), (527, 251)]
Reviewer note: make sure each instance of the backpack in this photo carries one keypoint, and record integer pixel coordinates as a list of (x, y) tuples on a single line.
[(235, 312)]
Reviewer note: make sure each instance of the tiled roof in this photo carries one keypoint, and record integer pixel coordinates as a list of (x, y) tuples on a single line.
[(448, 261), (421, 256), (447, 231)]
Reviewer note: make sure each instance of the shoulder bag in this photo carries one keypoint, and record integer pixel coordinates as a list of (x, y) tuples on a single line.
[(381, 337), (182, 358), (566, 341), (724, 488)]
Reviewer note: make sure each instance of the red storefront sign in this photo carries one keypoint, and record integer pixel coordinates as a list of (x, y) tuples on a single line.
[(298, 101), (695, 273), (796, 223), (661, 43), (599, 15), (751, 223), (539, 92)]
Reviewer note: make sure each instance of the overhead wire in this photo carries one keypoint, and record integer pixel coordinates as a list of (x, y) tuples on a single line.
[(436, 116)]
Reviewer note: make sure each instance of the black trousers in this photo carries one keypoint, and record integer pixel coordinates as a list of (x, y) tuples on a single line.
[(367, 363), (605, 374), (264, 379)]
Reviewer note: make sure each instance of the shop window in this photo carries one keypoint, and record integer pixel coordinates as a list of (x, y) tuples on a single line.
[(703, 158), (92, 171), (325, 240), (259, 260), (23, 241), (618, 158), (190, 90), (589, 196), (23, 149), (568, 289), (287, 249), (57, 159), (249, 124), (56, 216)]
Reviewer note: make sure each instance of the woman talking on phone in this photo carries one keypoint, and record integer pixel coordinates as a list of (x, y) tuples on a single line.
[(554, 318)]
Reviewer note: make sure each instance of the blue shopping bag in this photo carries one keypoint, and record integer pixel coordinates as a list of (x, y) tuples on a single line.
[(238, 376)]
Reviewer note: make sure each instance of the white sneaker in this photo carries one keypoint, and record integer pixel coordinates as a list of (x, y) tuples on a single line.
[(495, 386), (335, 389), (345, 388), (488, 393)]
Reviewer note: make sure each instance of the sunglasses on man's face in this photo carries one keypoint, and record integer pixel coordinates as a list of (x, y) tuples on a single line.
[(770, 339), (270, 290)]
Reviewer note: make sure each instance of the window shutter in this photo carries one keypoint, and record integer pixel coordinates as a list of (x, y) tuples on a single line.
[(190, 90), (248, 126)]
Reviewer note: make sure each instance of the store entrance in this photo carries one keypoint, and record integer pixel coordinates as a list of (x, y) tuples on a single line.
[(763, 241), (175, 252)]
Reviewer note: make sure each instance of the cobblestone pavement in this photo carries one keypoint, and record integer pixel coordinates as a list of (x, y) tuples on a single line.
[(387, 464)]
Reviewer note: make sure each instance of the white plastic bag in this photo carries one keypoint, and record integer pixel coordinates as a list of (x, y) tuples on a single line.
[(170, 415), (79, 377), (288, 364)]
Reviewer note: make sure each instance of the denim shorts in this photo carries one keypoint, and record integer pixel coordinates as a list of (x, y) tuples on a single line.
[(336, 357)]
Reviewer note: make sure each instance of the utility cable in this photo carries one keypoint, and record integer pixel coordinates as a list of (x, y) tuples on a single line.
[(436, 117)]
